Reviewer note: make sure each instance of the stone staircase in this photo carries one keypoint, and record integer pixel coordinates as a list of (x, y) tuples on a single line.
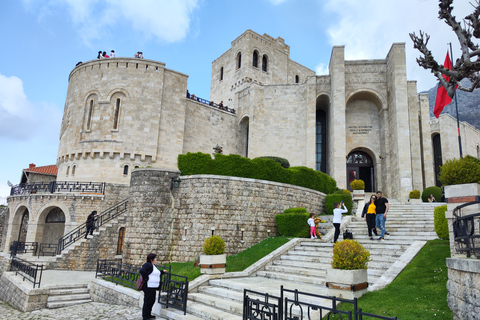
[(304, 266), (68, 295)]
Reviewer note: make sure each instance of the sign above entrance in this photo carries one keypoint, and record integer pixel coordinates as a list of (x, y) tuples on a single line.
[(360, 129)]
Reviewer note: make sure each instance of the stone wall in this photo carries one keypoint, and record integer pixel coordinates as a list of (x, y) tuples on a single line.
[(3, 225), (176, 223), (110, 293), (19, 296), (463, 288)]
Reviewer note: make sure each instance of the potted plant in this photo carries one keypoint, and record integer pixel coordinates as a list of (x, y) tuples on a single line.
[(348, 276), (414, 197), (213, 260), (358, 187)]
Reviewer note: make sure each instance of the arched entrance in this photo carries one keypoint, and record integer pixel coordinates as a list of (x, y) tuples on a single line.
[(54, 226), (22, 232), (244, 132), (360, 166), (437, 157)]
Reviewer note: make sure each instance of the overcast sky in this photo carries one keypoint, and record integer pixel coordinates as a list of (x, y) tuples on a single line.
[(42, 40)]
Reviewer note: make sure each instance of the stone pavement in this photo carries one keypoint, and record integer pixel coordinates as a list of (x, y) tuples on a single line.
[(86, 311)]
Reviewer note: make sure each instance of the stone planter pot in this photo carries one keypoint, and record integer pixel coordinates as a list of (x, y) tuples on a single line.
[(358, 194), (213, 264), (347, 284)]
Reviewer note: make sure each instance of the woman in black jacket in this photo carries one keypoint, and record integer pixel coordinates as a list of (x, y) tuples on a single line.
[(369, 213), (153, 278)]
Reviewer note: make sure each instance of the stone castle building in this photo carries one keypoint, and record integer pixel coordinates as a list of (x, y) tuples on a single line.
[(364, 120)]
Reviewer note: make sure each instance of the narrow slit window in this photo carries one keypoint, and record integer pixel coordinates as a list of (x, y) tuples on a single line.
[(73, 170), (116, 113), (255, 59), (90, 115), (125, 169), (264, 63), (239, 60), (68, 170), (221, 73), (297, 79)]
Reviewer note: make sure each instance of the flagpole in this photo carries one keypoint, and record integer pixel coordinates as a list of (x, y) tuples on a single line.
[(456, 108)]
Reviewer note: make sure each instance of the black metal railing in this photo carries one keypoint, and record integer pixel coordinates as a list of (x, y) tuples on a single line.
[(23, 247), (174, 292), (31, 272), (210, 103), (467, 239), (48, 249), (120, 273), (296, 305), (58, 186), (81, 230)]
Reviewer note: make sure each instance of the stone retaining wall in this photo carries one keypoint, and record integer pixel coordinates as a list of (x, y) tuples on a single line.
[(176, 222), (463, 288), (21, 297), (110, 293), (3, 225)]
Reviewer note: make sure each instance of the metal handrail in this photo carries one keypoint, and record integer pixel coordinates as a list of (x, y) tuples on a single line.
[(58, 186), (465, 237), (27, 270), (210, 103), (79, 232), (23, 247)]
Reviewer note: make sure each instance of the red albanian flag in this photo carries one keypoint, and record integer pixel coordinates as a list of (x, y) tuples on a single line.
[(442, 96)]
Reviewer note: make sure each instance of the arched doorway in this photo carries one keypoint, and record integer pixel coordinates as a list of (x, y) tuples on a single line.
[(360, 166), (54, 226), (22, 233), (322, 106), (437, 157), (244, 132)]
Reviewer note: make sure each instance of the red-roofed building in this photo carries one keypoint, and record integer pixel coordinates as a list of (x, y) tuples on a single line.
[(39, 174)]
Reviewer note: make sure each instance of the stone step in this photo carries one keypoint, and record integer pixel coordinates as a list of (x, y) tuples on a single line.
[(173, 314), (207, 312), (54, 305), (70, 297), (298, 279), (229, 306), (222, 293), (68, 291), (319, 272), (305, 265)]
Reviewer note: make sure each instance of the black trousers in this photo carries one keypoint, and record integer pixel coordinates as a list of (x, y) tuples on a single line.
[(89, 229), (371, 224), (337, 231), (148, 301)]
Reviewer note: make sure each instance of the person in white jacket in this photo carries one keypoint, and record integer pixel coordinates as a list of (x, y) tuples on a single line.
[(337, 218)]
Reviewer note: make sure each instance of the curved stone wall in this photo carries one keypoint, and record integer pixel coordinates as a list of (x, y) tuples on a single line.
[(173, 223)]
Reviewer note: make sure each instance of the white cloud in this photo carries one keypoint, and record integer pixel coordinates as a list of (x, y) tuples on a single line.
[(165, 20), (276, 2), (321, 69), (21, 119), (368, 28)]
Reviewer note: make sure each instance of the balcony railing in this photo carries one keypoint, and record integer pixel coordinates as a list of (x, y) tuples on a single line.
[(210, 103), (58, 187)]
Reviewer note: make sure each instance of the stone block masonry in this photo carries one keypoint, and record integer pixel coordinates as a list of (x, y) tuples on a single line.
[(463, 288), (175, 223)]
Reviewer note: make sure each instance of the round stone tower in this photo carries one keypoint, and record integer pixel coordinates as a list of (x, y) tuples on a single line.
[(120, 113)]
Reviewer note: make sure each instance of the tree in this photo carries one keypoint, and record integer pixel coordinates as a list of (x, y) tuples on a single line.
[(465, 67)]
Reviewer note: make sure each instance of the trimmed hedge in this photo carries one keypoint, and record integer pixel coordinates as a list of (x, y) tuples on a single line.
[(293, 223), (283, 162), (330, 199), (441, 223), (258, 168), (460, 171), (436, 191), (415, 194)]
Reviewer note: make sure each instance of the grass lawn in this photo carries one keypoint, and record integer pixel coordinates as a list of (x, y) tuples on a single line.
[(419, 292), (236, 262)]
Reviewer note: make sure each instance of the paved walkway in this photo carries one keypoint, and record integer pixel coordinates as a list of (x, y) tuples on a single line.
[(86, 311)]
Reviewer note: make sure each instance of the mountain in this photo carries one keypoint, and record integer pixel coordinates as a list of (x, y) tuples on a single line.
[(468, 105)]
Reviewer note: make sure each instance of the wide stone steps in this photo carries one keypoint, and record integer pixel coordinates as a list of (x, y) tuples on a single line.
[(66, 296), (304, 266)]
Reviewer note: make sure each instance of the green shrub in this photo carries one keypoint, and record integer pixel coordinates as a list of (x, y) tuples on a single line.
[(349, 255), (258, 168), (293, 223), (460, 171), (441, 223), (283, 162), (415, 194), (436, 191), (357, 184), (330, 199), (214, 245)]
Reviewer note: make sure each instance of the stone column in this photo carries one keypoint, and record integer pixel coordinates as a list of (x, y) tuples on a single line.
[(150, 216)]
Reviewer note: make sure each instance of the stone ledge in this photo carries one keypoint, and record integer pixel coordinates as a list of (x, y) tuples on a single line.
[(467, 265)]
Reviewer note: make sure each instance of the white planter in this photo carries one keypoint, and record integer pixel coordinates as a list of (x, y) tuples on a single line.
[(358, 194), (213, 264), (347, 284)]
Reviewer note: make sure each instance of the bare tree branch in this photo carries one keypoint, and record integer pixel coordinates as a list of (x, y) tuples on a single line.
[(465, 67)]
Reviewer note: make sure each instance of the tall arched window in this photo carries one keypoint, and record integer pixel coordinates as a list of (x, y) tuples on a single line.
[(121, 241), (125, 169), (221, 73), (90, 115), (437, 157), (68, 170), (264, 63), (239, 60), (321, 141), (244, 127), (255, 59), (115, 114), (73, 170), (297, 79)]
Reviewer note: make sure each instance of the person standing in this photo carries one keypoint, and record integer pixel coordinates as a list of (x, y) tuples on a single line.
[(153, 278), (337, 218), (381, 217), (311, 223), (369, 214), (112, 54), (90, 224)]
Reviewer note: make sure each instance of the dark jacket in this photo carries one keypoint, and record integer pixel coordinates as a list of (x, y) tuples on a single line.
[(365, 208), (146, 269), (91, 220)]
